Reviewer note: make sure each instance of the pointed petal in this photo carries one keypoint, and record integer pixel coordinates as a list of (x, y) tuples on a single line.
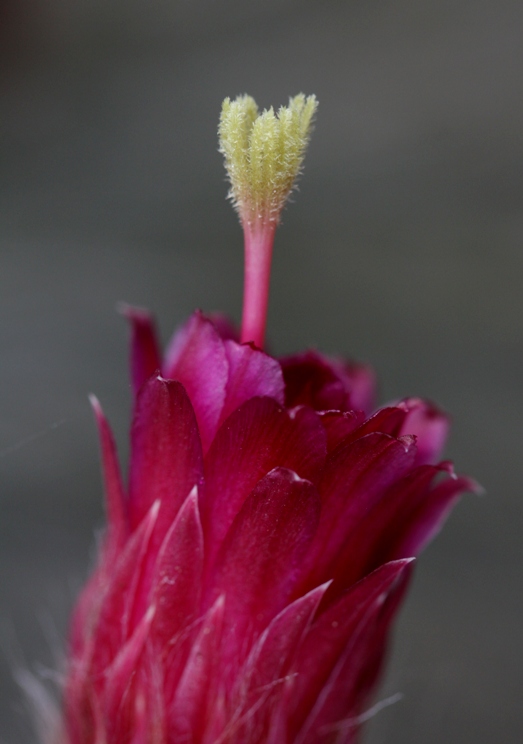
[(429, 425), (251, 373), (276, 648), (255, 439), (178, 575), (312, 379), (335, 631), (145, 353), (362, 386), (119, 677), (114, 493), (339, 424), (424, 517), (149, 724), (356, 476), (196, 357), (325, 383), (186, 715), (379, 530), (78, 703), (388, 420), (81, 721), (277, 726), (413, 417), (375, 655), (260, 559), (113, 625), (260, 684), (258, 687), (225, 327), (166, 459), (353, 678), (400, 524), (85, 615)]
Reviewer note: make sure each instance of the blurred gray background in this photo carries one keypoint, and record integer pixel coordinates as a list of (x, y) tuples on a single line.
[(403, 248)]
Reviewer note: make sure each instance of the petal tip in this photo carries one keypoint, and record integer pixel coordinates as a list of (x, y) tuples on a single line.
[(291, 476), (95, 405), (133, 312), (474, 487), (155, 508)]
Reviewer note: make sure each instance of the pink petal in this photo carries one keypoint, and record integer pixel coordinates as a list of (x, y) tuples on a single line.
[(149, 724), (260, 684), (251, 373), (378, 531), (119, 678), (339, 424), (415, 417), (362, 386), (114, 493), (326, 384), (260, 559), (178, 576), (276, 648), (83, 717), (196, 357), (145, 353), (335, 632), (429, 425), (388, 420), (357, 475), (255, 439), (375, 654), (78, 703), (312, 380), (113, 626), (224, 326), (187, 713), (277, 727), (86, 613), (172, 582), (402, 523), (166, 459), (346, 692), (427, 515)]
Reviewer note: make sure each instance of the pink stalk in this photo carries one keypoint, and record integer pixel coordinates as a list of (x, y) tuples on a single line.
[(258, 255)]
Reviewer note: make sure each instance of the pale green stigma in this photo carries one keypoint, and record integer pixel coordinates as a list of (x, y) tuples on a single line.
[(264, 154)]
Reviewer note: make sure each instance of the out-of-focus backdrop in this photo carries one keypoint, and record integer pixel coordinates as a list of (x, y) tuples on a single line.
[(403, 248)]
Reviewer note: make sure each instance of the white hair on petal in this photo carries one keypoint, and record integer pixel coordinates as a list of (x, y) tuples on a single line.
[(42, 705), (343, 727)]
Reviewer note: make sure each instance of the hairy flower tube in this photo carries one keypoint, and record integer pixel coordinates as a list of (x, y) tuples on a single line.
[(252, 566)]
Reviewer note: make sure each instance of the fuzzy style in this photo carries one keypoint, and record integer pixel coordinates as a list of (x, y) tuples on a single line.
[(254, 563), (264, 153)]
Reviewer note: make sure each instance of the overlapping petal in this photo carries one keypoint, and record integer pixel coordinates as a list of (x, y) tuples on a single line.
[(166, 457), (250, 574), (255, 439), (326, 383)]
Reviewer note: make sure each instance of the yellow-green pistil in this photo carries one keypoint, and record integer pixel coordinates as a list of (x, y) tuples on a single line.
[(264, 153), (263, 156)]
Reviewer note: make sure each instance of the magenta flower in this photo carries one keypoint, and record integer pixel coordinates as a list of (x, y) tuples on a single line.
[(251, 569)]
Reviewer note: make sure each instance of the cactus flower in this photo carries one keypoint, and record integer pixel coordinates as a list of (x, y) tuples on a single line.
[(252, 566)]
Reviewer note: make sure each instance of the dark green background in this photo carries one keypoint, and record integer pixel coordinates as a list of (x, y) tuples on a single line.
[(403, 248)]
